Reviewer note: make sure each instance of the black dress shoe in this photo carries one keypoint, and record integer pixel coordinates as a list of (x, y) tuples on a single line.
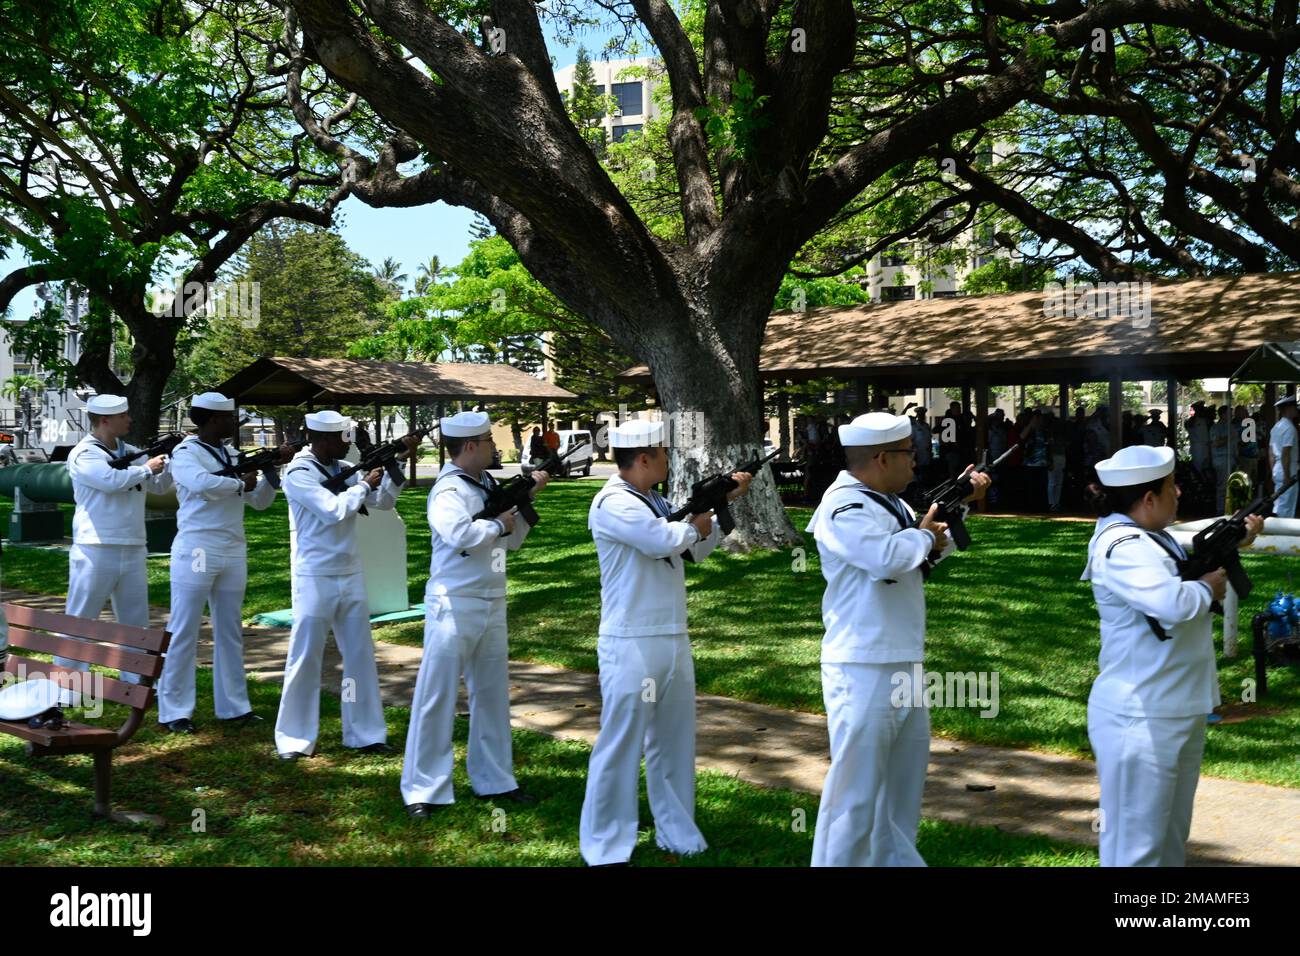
[(379, 748), (291, 755), (243, 720), (182, 726), (422, 811), (517, 795)]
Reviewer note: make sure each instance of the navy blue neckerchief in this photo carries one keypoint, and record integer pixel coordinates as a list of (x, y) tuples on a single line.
[(327, 473), (487, 489), (663, 510), (894, 506), (112, 455), (1170, 547)]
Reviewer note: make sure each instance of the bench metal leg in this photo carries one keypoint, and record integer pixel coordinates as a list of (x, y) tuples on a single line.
[(103, 767)]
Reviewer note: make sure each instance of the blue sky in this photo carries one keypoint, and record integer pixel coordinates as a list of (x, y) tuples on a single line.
[(410, 236)]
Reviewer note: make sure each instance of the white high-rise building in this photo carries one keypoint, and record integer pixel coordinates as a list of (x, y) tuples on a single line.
[(634, 102)]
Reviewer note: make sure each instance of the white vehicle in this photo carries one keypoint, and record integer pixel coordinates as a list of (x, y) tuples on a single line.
[(577, 463)]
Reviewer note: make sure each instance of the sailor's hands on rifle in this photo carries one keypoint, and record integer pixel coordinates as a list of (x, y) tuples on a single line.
[(741, 478), (979, 481), (703, 524), (286, 454), (1218, 582), (411, 443), (540, 478), (1254, 525), (507, 519), (157, 463), (375, 476), (250, 481), (937, 528)]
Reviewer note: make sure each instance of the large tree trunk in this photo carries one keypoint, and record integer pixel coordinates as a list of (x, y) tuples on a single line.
[(712, 399), (153, 358)]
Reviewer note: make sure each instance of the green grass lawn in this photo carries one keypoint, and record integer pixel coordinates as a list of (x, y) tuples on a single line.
[(1012, 604), (340, 808)]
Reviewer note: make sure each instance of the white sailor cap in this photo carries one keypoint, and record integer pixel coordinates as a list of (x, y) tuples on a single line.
[(637, 433), (1136, 465), (32, 697), (464, 425), (213, 401), (329, 421), (1284, 400), (875, 428), (106, 404)]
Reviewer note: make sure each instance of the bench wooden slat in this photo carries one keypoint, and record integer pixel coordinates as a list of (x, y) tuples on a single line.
[(145, 638), (73, 736), (107, 655), (110, 688)]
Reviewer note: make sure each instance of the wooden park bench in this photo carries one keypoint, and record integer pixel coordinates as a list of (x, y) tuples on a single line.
[(135, 650)]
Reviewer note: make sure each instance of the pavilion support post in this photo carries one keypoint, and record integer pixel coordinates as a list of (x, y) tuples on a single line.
[(1270, 396), (442, 450), (1063, 396), (965, 399), (861, 395), (783, 425), (1171, 401), (1116, 410), (981, 426), (415, 456), (379, 428)]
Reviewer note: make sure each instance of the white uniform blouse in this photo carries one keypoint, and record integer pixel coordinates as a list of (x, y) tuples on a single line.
[(1134, 577), (110, 501), (642, 572), (211, 515), (465, 560), (322, 525), (874, 605)]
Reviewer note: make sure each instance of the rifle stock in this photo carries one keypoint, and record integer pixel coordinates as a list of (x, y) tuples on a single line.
[(265, 461), (377, 456), (1217, 546), (163, 445), (949, 495), (710, 494), (517, 492)]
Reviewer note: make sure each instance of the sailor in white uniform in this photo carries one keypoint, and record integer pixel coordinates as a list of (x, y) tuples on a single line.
[(107, 560), (647, 677), (875, 557), (209, 566), (465, 628), (329, 592), (1283, 449), (1148, 706)]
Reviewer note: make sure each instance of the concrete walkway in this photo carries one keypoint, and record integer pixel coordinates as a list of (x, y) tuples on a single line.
[(1035, 793)]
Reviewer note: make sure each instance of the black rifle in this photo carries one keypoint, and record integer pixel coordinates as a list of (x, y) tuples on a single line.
[(1215, 546), (710, 494), (266, 461), (949, 495), (375, 456), (517, 492), (163, 445)]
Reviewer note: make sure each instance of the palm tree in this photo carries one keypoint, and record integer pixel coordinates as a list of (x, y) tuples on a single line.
[(13, 386), (390, 276), (428, 275)]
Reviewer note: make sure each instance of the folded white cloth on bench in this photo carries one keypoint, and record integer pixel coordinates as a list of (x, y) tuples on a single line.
[(32, 697)]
